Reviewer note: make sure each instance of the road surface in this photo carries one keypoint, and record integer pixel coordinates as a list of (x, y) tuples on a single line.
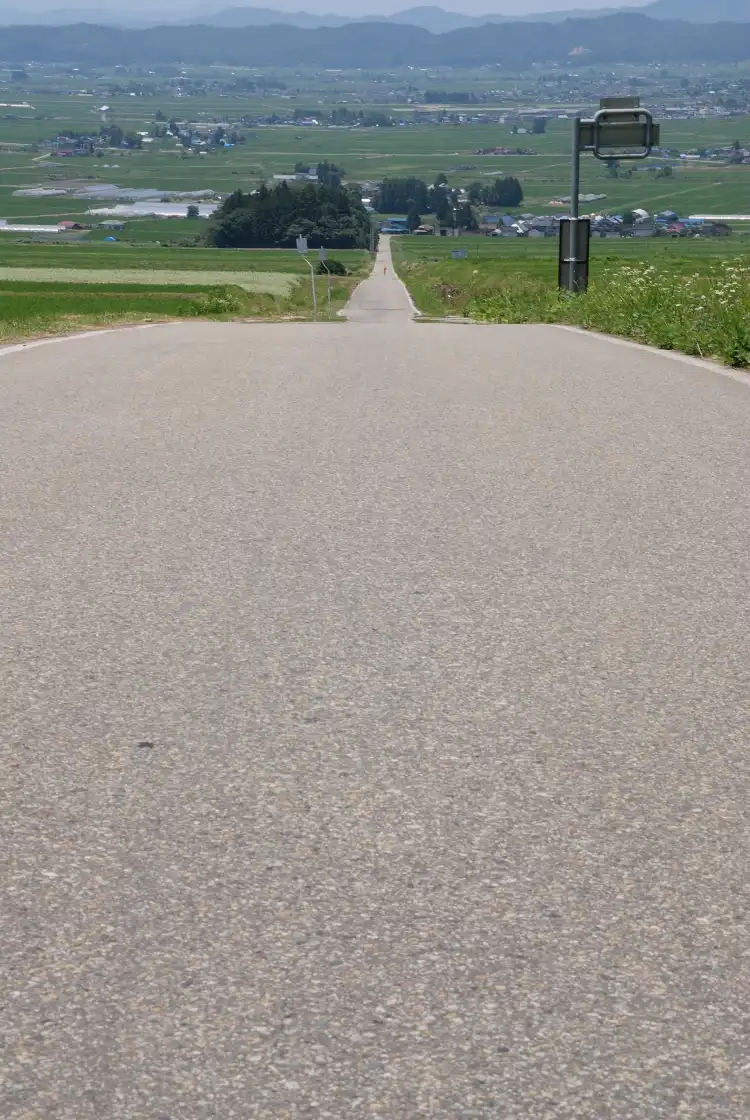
[(375, 725)]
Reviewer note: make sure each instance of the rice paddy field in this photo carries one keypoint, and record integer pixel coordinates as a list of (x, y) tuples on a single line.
[(44, 295), (269, 283), (371, 154)]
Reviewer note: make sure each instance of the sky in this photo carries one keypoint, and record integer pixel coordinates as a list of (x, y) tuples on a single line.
[(469, 7), (340, 7)]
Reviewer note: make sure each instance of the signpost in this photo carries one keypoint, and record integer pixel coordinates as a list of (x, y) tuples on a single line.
[(302, 250), (620, 129)]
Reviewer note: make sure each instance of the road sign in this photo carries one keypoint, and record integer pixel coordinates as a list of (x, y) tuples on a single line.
[(322, 254), (620, 129), (630, 133), (302, 245)]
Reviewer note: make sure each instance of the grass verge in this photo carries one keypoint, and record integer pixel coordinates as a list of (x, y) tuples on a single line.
[(699, 308)]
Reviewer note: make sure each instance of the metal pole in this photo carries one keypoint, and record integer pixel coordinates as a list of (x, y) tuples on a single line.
[(575, 207), (314, 293), (575, 190)]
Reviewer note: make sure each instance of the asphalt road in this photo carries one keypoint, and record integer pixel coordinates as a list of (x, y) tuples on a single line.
[(375, 715)]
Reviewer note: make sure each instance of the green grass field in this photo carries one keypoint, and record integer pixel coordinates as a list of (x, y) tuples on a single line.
[(40, 293), (442, 285), (268, 283)]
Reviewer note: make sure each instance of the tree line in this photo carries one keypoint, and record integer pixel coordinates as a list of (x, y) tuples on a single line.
[(413, 197), (326, 215)]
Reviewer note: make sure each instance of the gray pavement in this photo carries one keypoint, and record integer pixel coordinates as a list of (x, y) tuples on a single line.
[(375, 726), (382, 297)]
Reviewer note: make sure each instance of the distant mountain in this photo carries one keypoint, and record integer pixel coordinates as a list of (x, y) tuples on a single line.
[(440, 22), (429, 17), (265, 17), (628, 38)]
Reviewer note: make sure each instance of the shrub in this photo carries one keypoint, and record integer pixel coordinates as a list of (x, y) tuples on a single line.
[(335, 268)]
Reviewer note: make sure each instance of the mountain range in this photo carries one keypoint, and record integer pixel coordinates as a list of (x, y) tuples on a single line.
[(433, 19), (627, 38)]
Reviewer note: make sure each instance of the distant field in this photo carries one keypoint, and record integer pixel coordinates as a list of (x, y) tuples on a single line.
[(97, 256), (272, 283), (372, 153)]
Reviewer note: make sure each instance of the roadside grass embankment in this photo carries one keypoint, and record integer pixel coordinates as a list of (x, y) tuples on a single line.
[(696, 301)]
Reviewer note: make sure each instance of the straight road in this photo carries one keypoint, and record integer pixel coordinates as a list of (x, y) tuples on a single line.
[(375, 725)]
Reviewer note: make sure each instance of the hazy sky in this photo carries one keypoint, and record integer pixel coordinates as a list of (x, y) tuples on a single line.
[(341, 7), (385, 7), (320, 7)]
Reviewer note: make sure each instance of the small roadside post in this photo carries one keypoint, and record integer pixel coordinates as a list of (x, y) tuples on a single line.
[(620, 129), (323, 258), (302, 250)]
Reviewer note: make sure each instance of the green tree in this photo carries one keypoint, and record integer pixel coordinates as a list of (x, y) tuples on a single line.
[(326, 215), (329, 174), (112, 134), (475, 191), (395, 196), (505, 192), (413, 217), (193, 211)]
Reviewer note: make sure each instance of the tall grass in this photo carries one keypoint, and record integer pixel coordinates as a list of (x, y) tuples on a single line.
[(702, 315)]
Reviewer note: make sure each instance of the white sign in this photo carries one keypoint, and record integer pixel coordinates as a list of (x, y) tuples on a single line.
[(322, 254), (302, 245)]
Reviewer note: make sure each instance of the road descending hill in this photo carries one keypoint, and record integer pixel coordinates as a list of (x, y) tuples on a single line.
[(375, 725)]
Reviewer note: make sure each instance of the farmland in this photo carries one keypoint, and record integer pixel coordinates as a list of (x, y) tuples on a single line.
[(270, 283), (422, 151), (49, 289), (163, 256)]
